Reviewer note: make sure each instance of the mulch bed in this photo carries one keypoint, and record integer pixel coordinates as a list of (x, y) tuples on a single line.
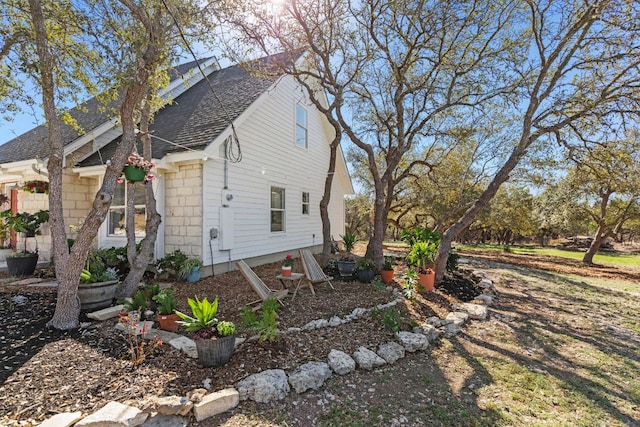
[(45, 372)]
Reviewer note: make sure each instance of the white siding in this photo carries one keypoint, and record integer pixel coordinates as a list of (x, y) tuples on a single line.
[(271, 157)]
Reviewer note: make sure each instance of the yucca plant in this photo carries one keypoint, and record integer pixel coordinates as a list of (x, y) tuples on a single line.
[(203, 312)]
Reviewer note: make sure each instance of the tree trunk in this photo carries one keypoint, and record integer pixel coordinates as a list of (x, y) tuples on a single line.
[(595, 244), (326, 198)]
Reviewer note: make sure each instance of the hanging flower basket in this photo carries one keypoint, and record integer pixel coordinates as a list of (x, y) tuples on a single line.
[(137, 169), (134, 174), (41, 187)]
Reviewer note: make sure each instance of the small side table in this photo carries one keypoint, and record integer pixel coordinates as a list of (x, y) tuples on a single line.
[(297, 279)]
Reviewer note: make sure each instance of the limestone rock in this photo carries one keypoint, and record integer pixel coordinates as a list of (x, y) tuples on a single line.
[(335, 321), (159, 420), (64, 419), (412, 342), (165, 336), (391, 351), (434, 321), (197, 395), (475, 311), (340, 362), (106, 313), (316, 324), (114, 414), (485, 284), (457, 317), (309, 376), (367, 359), (431, 332), (265, 386), (186, 345), (216, 403), (173, 405), (484, 299)]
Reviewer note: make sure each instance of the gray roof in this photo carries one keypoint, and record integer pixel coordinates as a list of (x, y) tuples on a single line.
[(193, 119)]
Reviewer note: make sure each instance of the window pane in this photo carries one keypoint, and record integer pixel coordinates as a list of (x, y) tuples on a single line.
[(301, 116), (305, 197), (301, 136), (118, 196), (305, 203), (140, 219), (277, 221), (277, 198), (116, 222)]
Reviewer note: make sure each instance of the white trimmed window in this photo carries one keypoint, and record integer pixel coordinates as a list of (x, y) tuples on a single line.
[(301, 126), (305, 203), (277, 209), (116, 221)]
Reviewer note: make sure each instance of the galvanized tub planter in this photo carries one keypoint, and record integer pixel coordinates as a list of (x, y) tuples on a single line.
[(95, 296)]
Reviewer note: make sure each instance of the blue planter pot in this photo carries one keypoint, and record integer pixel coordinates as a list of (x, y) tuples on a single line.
[(194, 276)]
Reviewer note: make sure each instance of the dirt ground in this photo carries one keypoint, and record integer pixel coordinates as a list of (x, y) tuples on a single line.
[(96, 366)]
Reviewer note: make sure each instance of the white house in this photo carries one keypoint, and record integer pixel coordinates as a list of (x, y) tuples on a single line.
[(220, 200)]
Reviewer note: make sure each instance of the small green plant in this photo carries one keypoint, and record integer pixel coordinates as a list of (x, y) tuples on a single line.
[(390, 318), (452, 260), (166, 301), (366, 264), (203, 312), (388, 264), (423, 255), (265, 325), (187, 267), (410, 285), (138, 302), (349, 239), (172, 261), (225, 328), (378, 285), (151, 290)]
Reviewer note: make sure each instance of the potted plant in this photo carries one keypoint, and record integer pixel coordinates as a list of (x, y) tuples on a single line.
[(215, 340), (387, 270), (98, 284), (287, 265), (366, 270), (422, 256), (36, 187), (167, 304), (346, 263), (5, 232), (24, 263), (137, 169), (190, 270)]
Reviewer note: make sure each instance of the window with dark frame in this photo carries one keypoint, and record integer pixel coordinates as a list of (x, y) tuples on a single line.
[(305, 203), (277, 209)]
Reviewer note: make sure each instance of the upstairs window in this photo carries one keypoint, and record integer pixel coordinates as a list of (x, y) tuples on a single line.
[(305, 203), (277, 209), (301, 126), (116, 221)]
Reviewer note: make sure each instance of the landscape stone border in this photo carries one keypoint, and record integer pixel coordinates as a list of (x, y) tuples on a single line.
[(274, 384)]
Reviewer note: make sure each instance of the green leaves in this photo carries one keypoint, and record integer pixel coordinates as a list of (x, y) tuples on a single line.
[(203, 314)]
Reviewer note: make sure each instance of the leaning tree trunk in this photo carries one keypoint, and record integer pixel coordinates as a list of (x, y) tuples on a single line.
[(594, 247), (326, 198)]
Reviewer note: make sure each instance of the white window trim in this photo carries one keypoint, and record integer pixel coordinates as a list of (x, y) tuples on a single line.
[(308, 203), (283, 209)]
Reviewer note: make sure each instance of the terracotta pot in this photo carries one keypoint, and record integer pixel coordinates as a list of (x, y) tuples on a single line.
[(427, 280), (286, 271), (387, 276), (168, 322)]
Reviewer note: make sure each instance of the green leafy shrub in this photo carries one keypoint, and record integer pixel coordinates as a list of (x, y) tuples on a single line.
[(266, 324), (166, 301)]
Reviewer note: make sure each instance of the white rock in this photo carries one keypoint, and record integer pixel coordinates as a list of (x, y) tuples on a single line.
[(64, 419), (391, 351), (340, 362), (216, 403), (485, 283), (186, 345), (335, 321), (475, 311), (165, 336), (431, 332), (172, 405), (480, 274), (457, 317), (316, 324), (412, 342), (309, 376), (265, 386), (367, 359), (434, 321), (106, 313), (114, 414)]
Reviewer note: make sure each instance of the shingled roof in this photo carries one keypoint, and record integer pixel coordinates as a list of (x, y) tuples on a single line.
[(34, 143), (196, 117), (193, 119)]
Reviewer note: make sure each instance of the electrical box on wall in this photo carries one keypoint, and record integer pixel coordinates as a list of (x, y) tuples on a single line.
[(227, 197), (227, 229)]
